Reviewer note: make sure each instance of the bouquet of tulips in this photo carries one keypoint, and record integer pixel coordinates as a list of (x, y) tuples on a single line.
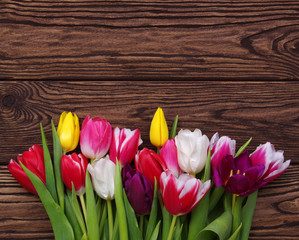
[(190, 187)]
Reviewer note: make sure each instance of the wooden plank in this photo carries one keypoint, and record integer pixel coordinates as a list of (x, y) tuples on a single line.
[(149, 39)]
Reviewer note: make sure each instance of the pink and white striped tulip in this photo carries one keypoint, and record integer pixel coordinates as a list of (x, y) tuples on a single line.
[(180, 195), (272, 160), (96, 136), (124, 145), (221, 147), (169, 154)]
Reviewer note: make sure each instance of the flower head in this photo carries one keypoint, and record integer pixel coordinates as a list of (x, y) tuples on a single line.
[(159, 130)]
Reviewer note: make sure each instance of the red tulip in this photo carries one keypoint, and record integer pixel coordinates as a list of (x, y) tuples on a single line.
[(34, 161), (150, 164), (73, 170), (180, 195)]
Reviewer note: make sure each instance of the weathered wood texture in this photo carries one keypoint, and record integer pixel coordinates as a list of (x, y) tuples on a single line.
[(267, 111), (149, 39)]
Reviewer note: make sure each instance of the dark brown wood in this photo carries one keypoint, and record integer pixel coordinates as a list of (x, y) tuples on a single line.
[(266, 111), (149, 39)]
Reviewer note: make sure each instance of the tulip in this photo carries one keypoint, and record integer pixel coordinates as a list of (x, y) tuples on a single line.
[(124, 145), (68, 131), (34, 161), (169, 154), (192, 149), (221, 147), (96, 136), (245, 174), (102, 173), (150, 164), (73, 170), (180, 195), (139, 190), (159, 130)]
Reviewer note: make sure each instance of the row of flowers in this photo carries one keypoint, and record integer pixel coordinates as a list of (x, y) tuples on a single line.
[(177, 176)]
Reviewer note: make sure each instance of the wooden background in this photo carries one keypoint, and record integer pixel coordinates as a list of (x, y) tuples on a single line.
[(151, 40), (266, 111)]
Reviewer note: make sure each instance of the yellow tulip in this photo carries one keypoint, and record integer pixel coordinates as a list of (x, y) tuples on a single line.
[(68, 131), (159, 130)]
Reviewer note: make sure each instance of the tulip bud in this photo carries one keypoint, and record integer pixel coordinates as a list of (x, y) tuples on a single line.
[(96, 136), (180, 195), (159, 130), (192, 148), (73, 170), (124, 145), (102, 173), (139, 190), (34, 161), (68, 131)]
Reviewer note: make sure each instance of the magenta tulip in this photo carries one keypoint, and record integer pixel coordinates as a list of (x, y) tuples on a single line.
[(180, 195), (139, 190), (34, 161), (73, 170), (96, 136), (124, 145), (169, 154)]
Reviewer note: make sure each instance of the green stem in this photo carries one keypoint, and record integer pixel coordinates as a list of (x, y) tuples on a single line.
[(63, 152), (233, 202), (158, 150), (236, 212), (110, 218), (83, 206), (141, 224), (171, 230)]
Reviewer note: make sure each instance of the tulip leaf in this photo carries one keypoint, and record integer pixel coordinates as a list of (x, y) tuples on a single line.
[(116, 229), (156, 232), (236, 211), (153, 215), (236, 233), (247, 214), (243, 148), (72, 218), (178, 231), (167, 217), (215, 197), (134, 230), (103, 219), (50, 179), (57, 154), (119, 201), (220, 228), (61, 227), (91, 214), (77, 209), (174, 127)]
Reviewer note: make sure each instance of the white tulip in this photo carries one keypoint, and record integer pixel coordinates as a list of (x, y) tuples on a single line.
[(102, 173), (192, 149)]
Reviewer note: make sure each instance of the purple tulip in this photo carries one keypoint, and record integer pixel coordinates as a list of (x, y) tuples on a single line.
[(245, 174), (139, 190)]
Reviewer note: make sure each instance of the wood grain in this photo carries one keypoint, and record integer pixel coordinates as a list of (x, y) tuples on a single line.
[(149, 39), (266, 111)]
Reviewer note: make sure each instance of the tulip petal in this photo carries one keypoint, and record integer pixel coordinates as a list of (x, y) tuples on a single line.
[(242, 162), (169, 154), (237, 184)]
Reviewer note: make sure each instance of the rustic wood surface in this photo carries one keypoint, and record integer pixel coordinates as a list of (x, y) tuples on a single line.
[(149, 39), (266, 111)]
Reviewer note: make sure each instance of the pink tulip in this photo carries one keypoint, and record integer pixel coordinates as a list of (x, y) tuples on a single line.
[(34, 161), (96, 135), (73, 170), (124, 145), (169, 154), (221, 147), (180, 195)]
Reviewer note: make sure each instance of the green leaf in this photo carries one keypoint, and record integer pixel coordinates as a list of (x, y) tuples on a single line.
[(134, 230), (72, 218), (243, 148), (247, 214), (236, 211), (156, 231), (57, 154), (167, 217), (50, 179), (236, 233), (220, 228), (153, 215), (199, 215), (61, 227), (77, 209), (91, 214), (215, 197), (121, 212), (103, 219), (174, 127), (178, 231), (116, 229)]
